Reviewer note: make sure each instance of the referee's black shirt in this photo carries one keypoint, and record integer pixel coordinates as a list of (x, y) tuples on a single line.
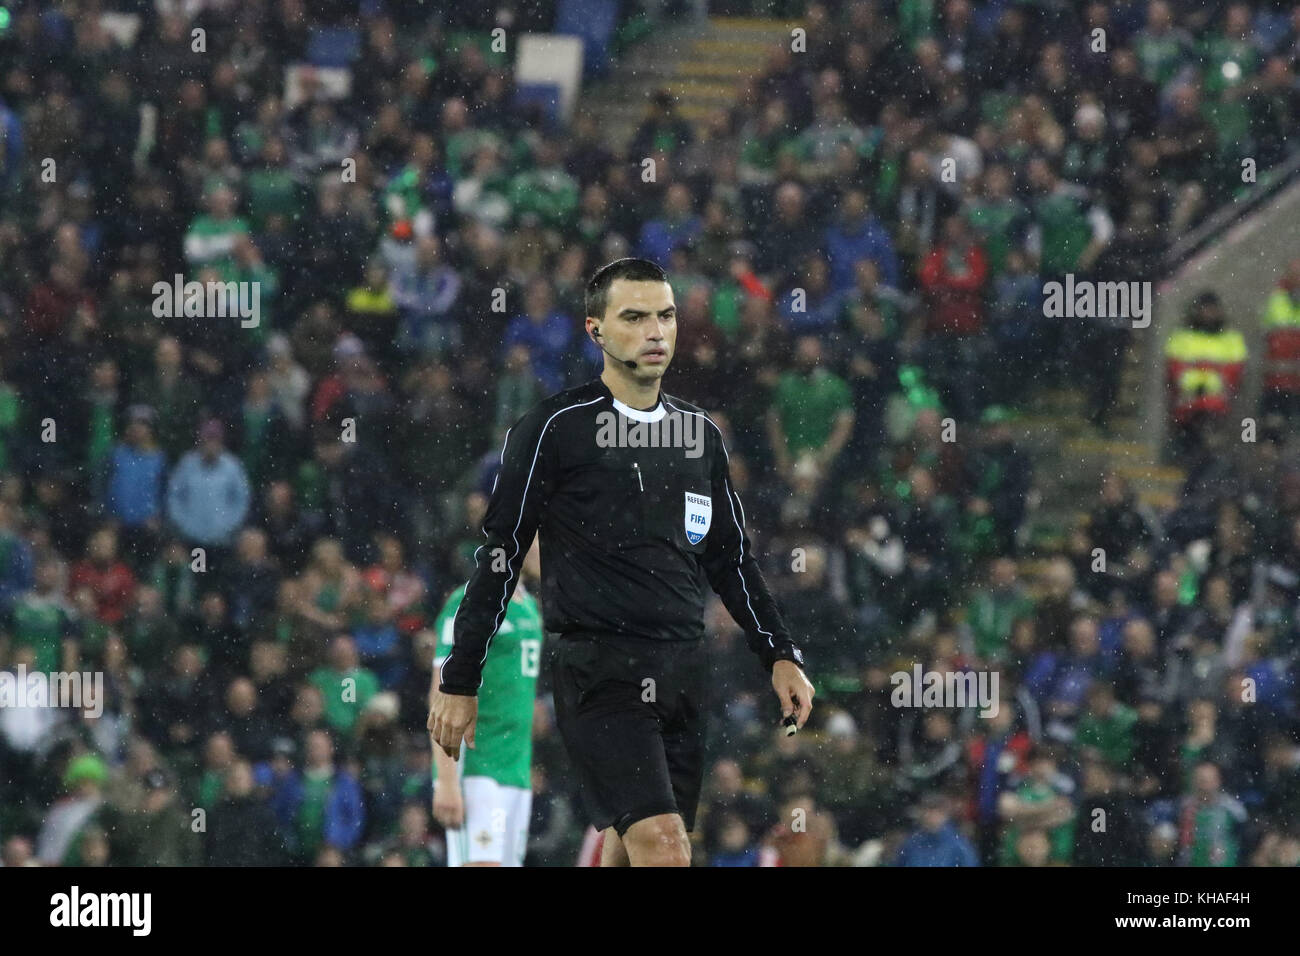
[(631, 537)]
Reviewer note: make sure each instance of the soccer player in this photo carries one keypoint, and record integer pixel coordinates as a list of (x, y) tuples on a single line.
[(485, 799), (629, 491)]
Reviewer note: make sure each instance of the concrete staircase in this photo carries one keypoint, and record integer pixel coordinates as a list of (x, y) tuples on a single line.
[(703, 64), (1070, 455)]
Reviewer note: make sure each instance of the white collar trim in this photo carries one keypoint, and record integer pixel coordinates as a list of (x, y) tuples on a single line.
[(653, 415)]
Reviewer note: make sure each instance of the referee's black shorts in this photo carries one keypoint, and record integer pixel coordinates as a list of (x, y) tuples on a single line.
[(637, 748)]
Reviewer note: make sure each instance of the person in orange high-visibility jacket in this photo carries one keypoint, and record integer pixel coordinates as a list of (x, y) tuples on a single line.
[(1281, 321), (1204, 360)]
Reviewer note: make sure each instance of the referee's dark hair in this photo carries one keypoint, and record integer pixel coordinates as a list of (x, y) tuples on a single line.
[(635, 270)]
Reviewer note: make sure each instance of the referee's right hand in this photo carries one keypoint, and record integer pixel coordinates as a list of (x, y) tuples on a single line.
[(451, 718)]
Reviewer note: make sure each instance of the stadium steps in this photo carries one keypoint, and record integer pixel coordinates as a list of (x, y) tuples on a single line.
[(704, 65), (1071, 455), (717, 65), (1068, 471)]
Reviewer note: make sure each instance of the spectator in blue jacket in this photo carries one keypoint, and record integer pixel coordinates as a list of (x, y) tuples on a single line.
[(134, 490), (427, 293), (1059, 682), (546, 332), (378, 642), (17, 566), (938, 842), (859, 235), (208, 496), (736, 847), (276, 777), (812, 307), (11, 147), (674, 227)]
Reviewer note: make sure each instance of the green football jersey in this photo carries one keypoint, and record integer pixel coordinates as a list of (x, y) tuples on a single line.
[(998, 224), (504, 734), (41, 622), (1066, 231)]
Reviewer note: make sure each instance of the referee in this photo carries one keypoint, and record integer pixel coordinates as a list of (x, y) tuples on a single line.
[(630, 493)]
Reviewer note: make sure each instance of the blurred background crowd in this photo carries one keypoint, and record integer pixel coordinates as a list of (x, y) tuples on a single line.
[(858, 250)]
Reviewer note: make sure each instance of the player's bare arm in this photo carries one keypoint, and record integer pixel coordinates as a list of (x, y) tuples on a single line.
[(448, 801)]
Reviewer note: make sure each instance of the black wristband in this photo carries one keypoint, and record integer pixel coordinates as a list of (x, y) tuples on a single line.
[(789, 652)]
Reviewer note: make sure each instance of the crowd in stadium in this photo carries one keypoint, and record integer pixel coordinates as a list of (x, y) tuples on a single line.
[(857, 249)]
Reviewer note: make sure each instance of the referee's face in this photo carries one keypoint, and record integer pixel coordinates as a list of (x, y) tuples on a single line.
[(640, 323)]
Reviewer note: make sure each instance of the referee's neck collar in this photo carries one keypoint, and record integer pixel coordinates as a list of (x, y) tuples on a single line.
[(652, 414)]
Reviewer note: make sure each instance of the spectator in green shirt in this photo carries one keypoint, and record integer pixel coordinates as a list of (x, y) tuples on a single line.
[(210, 240), (547, 190), (1000, 220), (1162, 47), (344, 684), (762, 138), (811, 414), (1107, 726), (483, 193), (916, 20), (1040, 802), (1231, 61), (271, 188), (44, 621), (994, 608), (1068, 230), (10, 417), (1209, 821), (329, 812), (99, 426)]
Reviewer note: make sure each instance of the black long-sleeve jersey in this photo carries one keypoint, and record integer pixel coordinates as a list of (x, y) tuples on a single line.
[(637, 517)]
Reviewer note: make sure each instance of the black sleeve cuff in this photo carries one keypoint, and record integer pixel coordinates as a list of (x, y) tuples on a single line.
[(785, 652), (458, 690)]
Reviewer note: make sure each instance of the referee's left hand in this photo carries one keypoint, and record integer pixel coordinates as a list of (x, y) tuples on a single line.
[(451, 718), (794, 689)]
